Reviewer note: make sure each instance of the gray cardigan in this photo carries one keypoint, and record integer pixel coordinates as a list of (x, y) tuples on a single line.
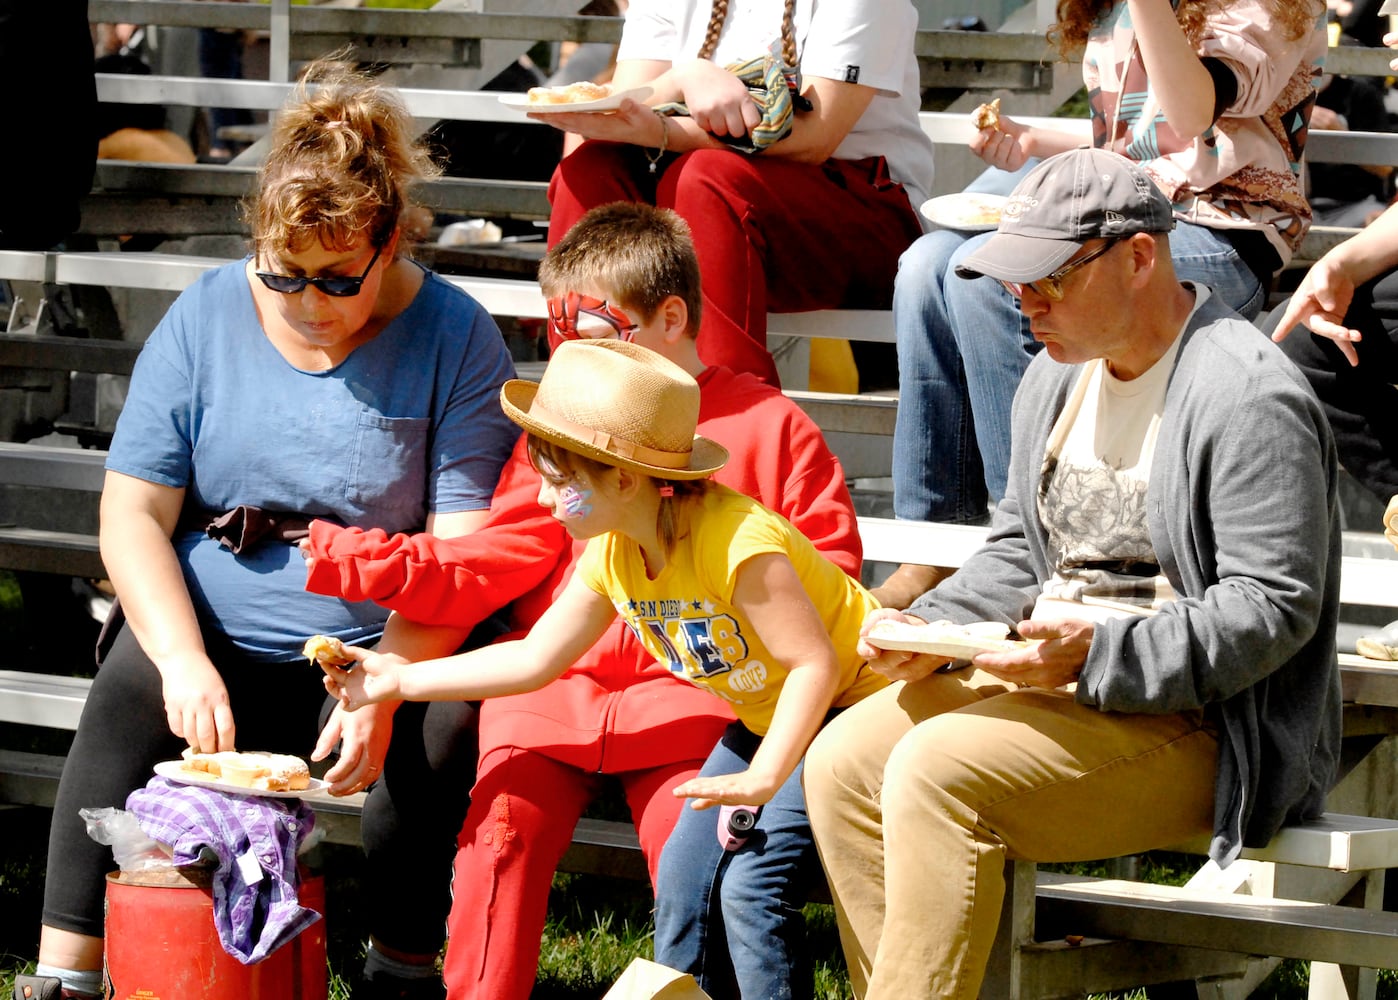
[(1243, 515)]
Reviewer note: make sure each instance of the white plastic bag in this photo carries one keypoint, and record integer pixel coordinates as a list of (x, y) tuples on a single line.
[(132, 850)]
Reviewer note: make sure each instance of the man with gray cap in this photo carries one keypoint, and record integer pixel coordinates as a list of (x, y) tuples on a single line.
[(1168, 548)]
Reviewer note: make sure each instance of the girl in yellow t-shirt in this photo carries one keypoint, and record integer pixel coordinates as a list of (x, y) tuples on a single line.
[(727, 593)]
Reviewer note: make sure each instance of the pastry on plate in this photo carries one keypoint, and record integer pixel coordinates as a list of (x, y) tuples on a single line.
[(268, 772), (582, 92)]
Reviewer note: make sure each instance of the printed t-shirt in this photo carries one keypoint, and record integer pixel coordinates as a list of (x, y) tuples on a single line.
[(686, 617)]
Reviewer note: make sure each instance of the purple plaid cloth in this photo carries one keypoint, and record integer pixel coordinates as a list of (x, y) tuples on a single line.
[(255, 840)]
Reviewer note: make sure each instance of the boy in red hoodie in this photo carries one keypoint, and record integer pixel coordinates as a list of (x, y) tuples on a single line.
[(625, 270)]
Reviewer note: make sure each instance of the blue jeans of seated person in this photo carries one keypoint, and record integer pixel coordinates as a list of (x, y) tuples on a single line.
[(962, 347), (732, 919)]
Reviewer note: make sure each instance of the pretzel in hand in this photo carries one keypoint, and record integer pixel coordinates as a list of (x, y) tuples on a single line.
[(987, 115), (324, 650)]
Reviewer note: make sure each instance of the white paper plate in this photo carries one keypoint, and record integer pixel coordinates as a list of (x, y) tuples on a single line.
[(968, 211), (905, 637), (176, 771), (520, 102)]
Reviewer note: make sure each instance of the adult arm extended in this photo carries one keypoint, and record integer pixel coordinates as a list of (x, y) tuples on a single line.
[(1323, 297)]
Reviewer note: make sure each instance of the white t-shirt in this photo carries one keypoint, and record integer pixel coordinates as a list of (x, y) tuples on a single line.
[(854, 41), (1096, 474)]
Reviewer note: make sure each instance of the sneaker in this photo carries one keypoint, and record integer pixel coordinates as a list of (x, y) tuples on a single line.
[(1382, 645), (45, 988), (386, 987)]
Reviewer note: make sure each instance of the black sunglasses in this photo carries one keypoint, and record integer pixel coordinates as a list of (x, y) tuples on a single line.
[(339, 285)]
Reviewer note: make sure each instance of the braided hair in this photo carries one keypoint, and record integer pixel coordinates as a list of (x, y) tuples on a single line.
[(719, 13)]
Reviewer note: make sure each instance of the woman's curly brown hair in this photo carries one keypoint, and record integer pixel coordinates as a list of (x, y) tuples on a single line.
[(1076, 18), (343, 156)]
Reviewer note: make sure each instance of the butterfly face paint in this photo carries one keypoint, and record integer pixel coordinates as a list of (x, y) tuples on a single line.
[(575, 501)]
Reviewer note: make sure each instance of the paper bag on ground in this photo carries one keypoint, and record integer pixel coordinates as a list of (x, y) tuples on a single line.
[(645, 980)]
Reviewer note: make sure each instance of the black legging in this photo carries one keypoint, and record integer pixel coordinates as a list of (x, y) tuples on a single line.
[(1361, 402), (123, 734), (411, 817)]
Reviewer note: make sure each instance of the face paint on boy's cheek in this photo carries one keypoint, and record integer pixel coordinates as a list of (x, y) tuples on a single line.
[(575, 501)]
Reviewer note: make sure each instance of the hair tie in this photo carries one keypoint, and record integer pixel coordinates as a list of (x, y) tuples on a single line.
[(667, 491)]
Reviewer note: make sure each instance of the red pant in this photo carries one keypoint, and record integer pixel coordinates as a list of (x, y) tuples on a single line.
[(523, 809), (773, 235)]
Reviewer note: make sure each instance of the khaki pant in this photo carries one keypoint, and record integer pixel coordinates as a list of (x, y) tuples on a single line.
[(918, 795)]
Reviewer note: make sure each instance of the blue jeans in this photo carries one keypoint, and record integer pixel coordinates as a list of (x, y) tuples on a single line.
[(962, 347), (732, 919)]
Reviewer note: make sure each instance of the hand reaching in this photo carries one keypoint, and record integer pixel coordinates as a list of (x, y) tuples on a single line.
[(1320, 302), (362, 738), (196, 705), (373, 678), (743, 788)]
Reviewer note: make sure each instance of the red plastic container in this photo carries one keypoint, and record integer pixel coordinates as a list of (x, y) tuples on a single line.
[(162, 944)]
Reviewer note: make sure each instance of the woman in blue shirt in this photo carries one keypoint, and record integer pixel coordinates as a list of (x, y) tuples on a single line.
[(325, 375)]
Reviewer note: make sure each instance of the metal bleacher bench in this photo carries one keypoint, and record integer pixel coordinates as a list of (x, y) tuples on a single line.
[(1060, 936)]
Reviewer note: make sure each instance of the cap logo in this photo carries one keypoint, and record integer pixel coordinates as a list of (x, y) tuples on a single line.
[(1017, 205), (1114, 218)]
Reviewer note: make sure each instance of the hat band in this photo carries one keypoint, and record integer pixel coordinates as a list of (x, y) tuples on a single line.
[(620, 447)]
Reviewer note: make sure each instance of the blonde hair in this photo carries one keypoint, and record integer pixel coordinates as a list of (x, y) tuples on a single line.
[(636, 252), (669, 519), (1076, 18), (718, 13), (343, 157)]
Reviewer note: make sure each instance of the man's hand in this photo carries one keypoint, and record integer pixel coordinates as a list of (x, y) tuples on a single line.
[(896, 664), (1051, 663)]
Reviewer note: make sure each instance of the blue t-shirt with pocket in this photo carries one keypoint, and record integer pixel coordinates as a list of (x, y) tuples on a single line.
[(409, 423)]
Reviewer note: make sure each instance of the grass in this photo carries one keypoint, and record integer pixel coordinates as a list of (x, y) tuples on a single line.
[(596, 925)]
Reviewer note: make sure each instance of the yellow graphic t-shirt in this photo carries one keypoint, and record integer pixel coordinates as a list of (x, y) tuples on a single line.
[(685, 617)]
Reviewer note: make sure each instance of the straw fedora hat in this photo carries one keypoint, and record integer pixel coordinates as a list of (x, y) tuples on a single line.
[(619, 403)]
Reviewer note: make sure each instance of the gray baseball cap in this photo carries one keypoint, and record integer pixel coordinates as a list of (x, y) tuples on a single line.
[(1066, 200)]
